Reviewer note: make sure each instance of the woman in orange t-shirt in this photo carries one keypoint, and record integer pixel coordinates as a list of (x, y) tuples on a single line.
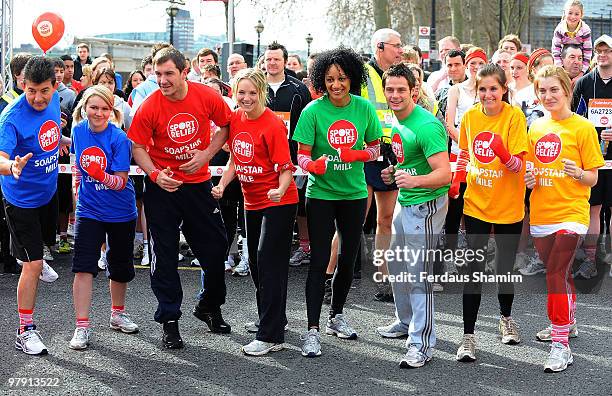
[(493, 135), (565, 152)]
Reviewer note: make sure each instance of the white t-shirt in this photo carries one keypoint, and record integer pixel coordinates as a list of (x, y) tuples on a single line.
[(275, 86)]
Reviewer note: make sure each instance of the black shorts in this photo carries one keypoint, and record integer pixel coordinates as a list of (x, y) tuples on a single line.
[(138, 185), (31, 228), (301, 211), (372, 171), (90, 234), (64, 193), (601, 193)]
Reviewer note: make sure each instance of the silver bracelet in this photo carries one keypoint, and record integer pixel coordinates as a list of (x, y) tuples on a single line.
[(579, 177)]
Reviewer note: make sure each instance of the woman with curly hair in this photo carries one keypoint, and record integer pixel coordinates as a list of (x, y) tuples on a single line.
[(334, 129)]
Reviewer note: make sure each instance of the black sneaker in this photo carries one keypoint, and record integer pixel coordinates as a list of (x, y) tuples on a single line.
[(172, 338), (214, 320)]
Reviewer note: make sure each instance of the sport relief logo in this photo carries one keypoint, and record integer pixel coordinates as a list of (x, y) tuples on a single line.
[(398, 149), (182, 128), (243, 147), (93, 154), (49, 135), (481, 147), (342, 133), (548, 148)]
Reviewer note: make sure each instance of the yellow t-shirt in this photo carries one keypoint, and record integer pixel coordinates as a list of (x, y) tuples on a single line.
[(557, 197), (494, 194)]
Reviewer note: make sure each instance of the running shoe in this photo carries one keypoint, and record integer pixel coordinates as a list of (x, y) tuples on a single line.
[(47, 253), (587, 270), (437, 287), (394, 330), (312, 343), (509, 331), (559, 358), (122, 321), (339, 327), (102, 263), (48, 274), (138, 249), (534, 266), (229, 263), (299, 257), (80, 339), (546, 334), (260, 348), (414, 358), (467, 349), (64, 247), (146, 260), (194, 263), (521, 261), (30, 342), (242, 269)]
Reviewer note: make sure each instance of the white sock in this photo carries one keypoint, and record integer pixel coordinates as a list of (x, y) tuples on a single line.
[(139, 236)]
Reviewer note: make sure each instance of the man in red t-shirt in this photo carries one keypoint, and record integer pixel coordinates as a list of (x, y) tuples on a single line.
[(172, 144)]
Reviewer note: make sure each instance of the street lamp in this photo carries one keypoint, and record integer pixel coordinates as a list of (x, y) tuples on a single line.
[(259, 28), (172, 11), (309, 41)]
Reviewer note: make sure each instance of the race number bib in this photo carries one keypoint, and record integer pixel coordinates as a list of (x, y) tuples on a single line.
[(285, 117), (600, 112)]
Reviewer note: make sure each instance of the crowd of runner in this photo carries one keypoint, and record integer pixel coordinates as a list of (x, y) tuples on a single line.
[(499, 154)]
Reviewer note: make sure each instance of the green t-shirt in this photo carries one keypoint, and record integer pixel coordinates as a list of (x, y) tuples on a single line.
[(326, 127), (415, 139)]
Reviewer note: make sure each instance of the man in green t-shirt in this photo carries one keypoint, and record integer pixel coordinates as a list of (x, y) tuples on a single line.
[(423, 175)]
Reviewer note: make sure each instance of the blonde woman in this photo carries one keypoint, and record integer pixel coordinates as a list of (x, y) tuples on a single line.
[(105, 210), (265, 172)]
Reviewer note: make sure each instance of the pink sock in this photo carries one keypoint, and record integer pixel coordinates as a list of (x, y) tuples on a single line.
[(560, 334), (82, 323), (26, 318), (590, 252), (117, 309)]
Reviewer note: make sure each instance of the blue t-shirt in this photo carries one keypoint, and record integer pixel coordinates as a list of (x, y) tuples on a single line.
[(25, 130), (112, 150)]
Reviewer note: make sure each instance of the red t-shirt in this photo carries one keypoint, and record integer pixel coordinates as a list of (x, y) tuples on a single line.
[(260, 151), (170, 129)]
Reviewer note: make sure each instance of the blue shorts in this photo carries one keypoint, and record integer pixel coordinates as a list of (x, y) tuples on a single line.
[(90, 234), (372, 171)]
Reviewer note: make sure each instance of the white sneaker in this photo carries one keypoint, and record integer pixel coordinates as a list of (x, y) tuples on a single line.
[(312, 343), (467, 349), (546, 334), (229, 263), (123, 322), (394, 330), (102, 263), (414, 358), (48, 274), (534, 266), (146, 260), (509, 331), (47, 256), (339, 327), (195, 263), (520, 261), (30, 342), (587, 270), (559, 358), (180, 257), (242, 269), (260, 348), (80, 339)]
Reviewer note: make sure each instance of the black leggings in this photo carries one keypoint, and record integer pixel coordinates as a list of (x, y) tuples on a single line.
[(269, 235), (324, 218), (453, 218), (507, 239)]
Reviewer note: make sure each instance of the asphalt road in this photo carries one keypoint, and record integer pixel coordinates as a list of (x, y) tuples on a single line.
[(117, 363)]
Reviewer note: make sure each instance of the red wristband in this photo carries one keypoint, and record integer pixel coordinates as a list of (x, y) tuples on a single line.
[(153, 175)]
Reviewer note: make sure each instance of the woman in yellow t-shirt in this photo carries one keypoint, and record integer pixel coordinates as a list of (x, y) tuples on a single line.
[(493, 134), (565, 152)]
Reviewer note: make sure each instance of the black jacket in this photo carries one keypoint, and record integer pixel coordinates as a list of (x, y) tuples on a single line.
[(78, 69), (292, 96)]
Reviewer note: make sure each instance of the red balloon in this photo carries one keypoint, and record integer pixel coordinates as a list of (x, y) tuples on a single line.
[(48, 30)]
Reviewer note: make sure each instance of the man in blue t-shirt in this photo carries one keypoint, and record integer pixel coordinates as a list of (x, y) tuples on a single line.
[(30, 145)]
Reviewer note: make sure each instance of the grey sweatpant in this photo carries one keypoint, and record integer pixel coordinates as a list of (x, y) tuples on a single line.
[(416, 230)]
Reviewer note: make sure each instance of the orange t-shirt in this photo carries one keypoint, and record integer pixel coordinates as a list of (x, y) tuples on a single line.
[(494, 193), (557, 197)]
